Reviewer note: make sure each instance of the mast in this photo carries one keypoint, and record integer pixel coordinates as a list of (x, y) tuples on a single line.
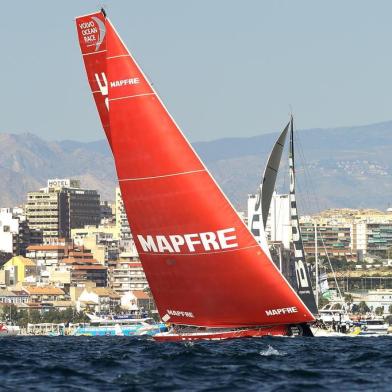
[(280, 259), (304, 286), (316, 262)]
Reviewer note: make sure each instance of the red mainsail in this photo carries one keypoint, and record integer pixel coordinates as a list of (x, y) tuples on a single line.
[(203, 265)]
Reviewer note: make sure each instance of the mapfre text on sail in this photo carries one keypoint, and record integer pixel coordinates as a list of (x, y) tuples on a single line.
[(189, 243)]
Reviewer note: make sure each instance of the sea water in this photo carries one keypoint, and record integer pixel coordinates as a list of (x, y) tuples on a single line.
[(141, 364)]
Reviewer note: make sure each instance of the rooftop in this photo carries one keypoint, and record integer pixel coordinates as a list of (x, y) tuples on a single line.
[(22, 260), (89, 267), (44, 290), (104, 292), (73, 260), (45, 247), (140, 294), (6, 293)]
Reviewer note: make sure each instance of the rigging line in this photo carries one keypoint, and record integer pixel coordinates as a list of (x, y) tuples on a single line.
[(311, 186), (306, 176), (309, 179), (302, 202), (300, 186), (330, 264)]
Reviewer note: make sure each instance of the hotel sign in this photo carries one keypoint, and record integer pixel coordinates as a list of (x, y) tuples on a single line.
[(63, 183)]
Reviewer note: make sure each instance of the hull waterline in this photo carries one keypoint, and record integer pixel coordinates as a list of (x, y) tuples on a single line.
[(173, 336)]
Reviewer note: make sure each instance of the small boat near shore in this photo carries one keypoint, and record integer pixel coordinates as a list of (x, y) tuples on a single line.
[(372, 327), (9, 330), (125, 327)]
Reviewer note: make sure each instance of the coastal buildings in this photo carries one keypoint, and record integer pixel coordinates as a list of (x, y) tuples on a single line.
[(127, 276), (126, 243), (97, 258), (93, 272), (374, 299), (369, 232), (138, 300), (19, 269), (47, 255), (48, 212), (374, 238), (40, 294), (15, 234), (102, 240), (102, 255), (61, 206), (14, 297), (99, 300), (332, 240), (121, 217)]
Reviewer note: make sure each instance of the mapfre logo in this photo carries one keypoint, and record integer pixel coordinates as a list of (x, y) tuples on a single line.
[(189, 243), (278, 312), (124, 82)]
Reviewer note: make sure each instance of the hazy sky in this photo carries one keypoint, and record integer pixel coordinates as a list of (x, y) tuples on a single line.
[(223, 67)]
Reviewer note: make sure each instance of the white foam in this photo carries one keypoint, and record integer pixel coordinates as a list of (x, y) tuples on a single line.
[(271, 351)]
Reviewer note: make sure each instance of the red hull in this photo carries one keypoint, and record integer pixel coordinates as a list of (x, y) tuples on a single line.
[(279, 330)]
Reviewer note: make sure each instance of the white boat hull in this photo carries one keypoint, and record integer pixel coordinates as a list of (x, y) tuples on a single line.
[(320, 332), (9, 330)]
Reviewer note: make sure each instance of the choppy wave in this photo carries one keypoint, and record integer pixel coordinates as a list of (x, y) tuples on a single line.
[(271, 351), (266, 364)]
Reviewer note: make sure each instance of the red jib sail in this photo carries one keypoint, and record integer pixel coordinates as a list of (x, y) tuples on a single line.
[(203, 265)]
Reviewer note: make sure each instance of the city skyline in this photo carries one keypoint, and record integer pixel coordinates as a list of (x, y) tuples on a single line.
[(221, 69)]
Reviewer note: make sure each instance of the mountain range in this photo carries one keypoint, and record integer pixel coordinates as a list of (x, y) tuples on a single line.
[(337, 167)]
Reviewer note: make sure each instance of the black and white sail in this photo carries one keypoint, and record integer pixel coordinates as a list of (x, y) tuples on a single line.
[(304, 285), (267, 186), (259, 216)]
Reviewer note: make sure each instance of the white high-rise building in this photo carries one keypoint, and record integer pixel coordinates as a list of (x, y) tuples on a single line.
[(15, 236), (278, 226), (121, 217), (62, 206), (127, 244)]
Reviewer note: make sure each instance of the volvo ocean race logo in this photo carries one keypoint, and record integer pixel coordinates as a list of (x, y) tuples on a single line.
[(93, 32), (194, 242)]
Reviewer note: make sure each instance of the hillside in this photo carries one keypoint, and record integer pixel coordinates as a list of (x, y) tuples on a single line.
[(340, 167)]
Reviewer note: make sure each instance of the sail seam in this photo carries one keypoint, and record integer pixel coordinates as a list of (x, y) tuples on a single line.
[(271, 168), (162, 176), (198, 254), (115, 57), (131, 96), (99, 51)]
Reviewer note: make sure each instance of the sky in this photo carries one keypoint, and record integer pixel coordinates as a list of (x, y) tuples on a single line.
[(223, 68)]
